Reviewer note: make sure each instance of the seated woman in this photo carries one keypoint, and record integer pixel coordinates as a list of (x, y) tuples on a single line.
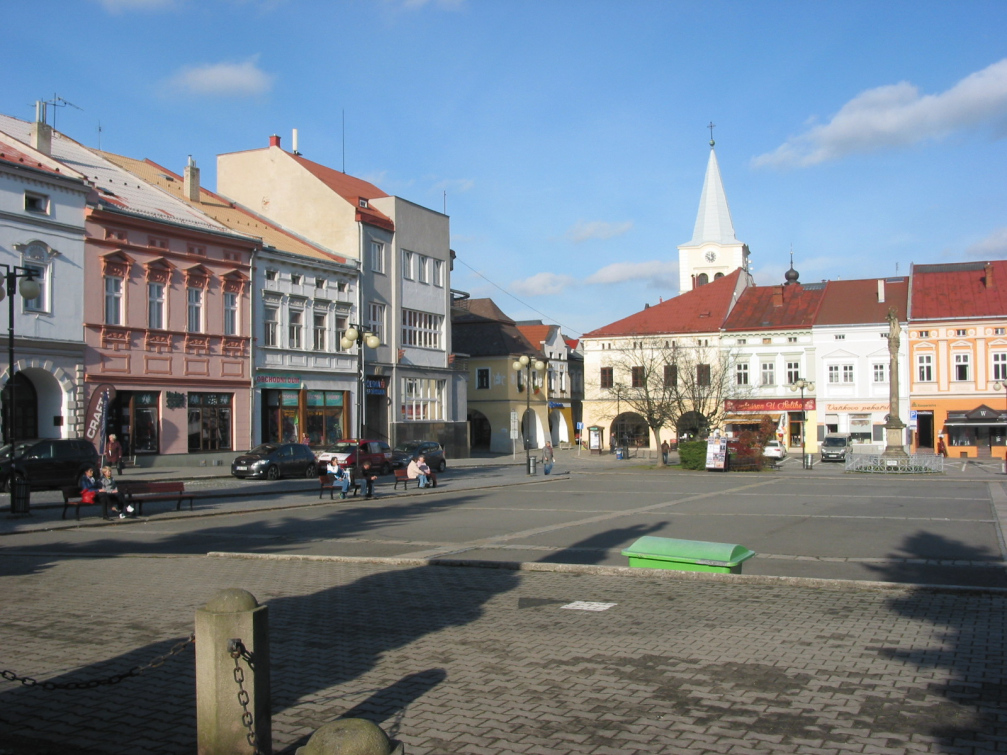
[(109, 494), (89, 490), (340, 475), (415, 471)]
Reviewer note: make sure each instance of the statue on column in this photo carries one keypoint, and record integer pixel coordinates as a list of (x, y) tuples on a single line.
[(894, 427)]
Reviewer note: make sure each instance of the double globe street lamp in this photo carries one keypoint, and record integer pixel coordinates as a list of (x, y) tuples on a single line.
[(530, 366), (351, 337), (29, 289), (802, 385)]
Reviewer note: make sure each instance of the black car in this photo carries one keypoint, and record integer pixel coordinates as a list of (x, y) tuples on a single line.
[(48, 463), (276, 460), (403, 453)]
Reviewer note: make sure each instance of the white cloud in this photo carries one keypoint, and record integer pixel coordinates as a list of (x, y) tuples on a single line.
[(543, 284), (597, 229), (454, 185), (897, 115), (224, 79), (118, 6), (657, 273), (993, 247)]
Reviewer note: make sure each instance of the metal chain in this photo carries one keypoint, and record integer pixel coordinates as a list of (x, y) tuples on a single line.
[(27, 681), (236, 649)]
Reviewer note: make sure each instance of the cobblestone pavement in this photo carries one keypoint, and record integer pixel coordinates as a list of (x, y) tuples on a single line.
[(479, 660)]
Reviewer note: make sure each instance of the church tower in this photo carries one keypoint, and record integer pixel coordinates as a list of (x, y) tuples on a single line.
[(714, 251)]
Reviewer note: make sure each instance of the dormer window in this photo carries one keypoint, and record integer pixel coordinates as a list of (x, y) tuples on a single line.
[(295, 279), (270, 275), (363, 203), (36, 203)]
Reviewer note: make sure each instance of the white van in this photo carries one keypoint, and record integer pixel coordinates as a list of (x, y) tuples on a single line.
[(835, 447)]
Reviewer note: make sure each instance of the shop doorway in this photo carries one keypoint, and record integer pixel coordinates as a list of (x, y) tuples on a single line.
[(25, 419), (134, 417), (480, 432), (925, 431)]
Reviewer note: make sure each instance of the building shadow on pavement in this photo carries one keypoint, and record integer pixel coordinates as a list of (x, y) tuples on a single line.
[(596, 548), (963, 705)]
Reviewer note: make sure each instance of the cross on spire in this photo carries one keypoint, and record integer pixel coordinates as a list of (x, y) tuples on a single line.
[(711, 127)]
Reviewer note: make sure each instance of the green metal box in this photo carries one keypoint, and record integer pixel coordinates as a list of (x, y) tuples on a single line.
[(687, 555)]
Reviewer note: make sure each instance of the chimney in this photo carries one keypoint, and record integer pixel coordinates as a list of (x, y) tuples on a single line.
[(989, 275), (41, 132), (274, 141), (881, 291), (293, 142), (190, 188), (693, 281), (778, 296)]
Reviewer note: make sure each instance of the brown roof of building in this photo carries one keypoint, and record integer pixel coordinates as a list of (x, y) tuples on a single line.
[(966, 289), (478, 310), (856, 302), (351, 189), (776, 307), (536, 334), (480, 329), (701, 310)]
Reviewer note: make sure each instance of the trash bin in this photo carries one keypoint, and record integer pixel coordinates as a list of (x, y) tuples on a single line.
[(532, 462), (687, 555), (20, 497), (619, 454), (809, 461)]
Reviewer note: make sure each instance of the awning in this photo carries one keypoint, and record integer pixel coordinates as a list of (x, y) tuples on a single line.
[(966, 423)]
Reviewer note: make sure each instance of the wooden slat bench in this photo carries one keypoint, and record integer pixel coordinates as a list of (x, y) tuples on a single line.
[(328, 482), (402, 475), (71, 497), (136, 493)]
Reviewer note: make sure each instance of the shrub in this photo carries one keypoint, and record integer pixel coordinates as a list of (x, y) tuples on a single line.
[(692, 454)]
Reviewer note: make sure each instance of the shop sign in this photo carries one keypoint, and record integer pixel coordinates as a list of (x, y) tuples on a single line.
[(376, 386), (278, 381), (97, 414), (854, 406), (769, 405)]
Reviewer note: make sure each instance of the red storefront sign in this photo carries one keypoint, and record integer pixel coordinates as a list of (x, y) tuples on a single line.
[(769, 405)]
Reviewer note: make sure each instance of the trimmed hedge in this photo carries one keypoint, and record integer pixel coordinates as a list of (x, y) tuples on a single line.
[(692, 454)]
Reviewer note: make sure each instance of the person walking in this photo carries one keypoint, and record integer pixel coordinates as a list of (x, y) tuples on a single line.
[(367, 478), (942, 450), (548, 458), (665, 448), (113, 452)]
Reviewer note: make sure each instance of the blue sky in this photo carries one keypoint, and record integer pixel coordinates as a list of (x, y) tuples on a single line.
[(570, 135)]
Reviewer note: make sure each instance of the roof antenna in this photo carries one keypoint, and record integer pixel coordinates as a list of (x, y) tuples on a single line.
[(711, 127), (99, 136), (445, 201), (344, 140), (56, 102)]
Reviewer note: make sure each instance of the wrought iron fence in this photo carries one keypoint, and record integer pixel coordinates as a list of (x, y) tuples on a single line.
[(915, 464)]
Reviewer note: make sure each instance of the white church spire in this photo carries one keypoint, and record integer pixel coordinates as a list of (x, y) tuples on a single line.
[(714, 251)]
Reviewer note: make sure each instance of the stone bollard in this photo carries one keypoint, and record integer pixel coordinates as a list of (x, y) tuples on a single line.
[(350, 736), (221, 728)]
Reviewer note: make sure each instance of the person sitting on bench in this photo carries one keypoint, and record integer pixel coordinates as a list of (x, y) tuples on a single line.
[(367, 478), (109, 494), (339, 475)]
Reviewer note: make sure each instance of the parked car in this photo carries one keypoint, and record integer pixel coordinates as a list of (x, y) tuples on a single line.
[(275, 460), (774, 450), (835, 447), (403, 453), (50, 463), (351, 451)]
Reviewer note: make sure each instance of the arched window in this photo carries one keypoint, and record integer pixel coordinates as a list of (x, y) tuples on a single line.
[(702, 279), (718, 275)]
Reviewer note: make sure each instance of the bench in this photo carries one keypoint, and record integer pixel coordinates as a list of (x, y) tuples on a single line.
[(71, 497), (328, 482), (402, 475), (137, 493)]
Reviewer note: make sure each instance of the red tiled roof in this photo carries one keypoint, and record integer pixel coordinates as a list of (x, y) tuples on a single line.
[(701, 310), (536, 334), (352, 190), (776, 307), (856, 302), (967, 289)]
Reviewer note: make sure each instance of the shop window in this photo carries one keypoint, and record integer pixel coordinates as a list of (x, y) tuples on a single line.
[(323, 417), (210, 421)]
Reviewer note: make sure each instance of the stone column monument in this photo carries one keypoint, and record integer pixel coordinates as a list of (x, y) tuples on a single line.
[(894, 427)]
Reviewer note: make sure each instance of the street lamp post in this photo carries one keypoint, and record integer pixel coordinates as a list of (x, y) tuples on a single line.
[(801, 385), (1002, 386), (526, 363), (350, 337), (29, 290)]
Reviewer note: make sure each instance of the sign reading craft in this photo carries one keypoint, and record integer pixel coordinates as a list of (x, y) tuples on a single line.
[(769, 405)]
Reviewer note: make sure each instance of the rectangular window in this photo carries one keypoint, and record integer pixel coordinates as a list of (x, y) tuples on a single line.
[(377, 257), (270, 275), (670, 375), (295, 328), (295, 279), (880, 373), (483, 379), (319, 282), (924, 334), (407, 265), (791, 339), (847, 373), (230, 313), (607, 380), (1000, 365), (318, 331), (36, 203), (210, 421), (961, 332), (793, 372), (422, 269), (833, 373), (703, 375), (113, 300), (421, 329), (637, 377), (962, 366), (341, 325), (376, 319), (768, 373), (194, 299), (422, 399), (742, 374), (438, 273), (40, 302), (270, 323), (999, 331), (925, 368), (840, 336), (155, 306)]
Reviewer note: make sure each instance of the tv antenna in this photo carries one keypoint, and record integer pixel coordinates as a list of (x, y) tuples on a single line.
[(58, 101)]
